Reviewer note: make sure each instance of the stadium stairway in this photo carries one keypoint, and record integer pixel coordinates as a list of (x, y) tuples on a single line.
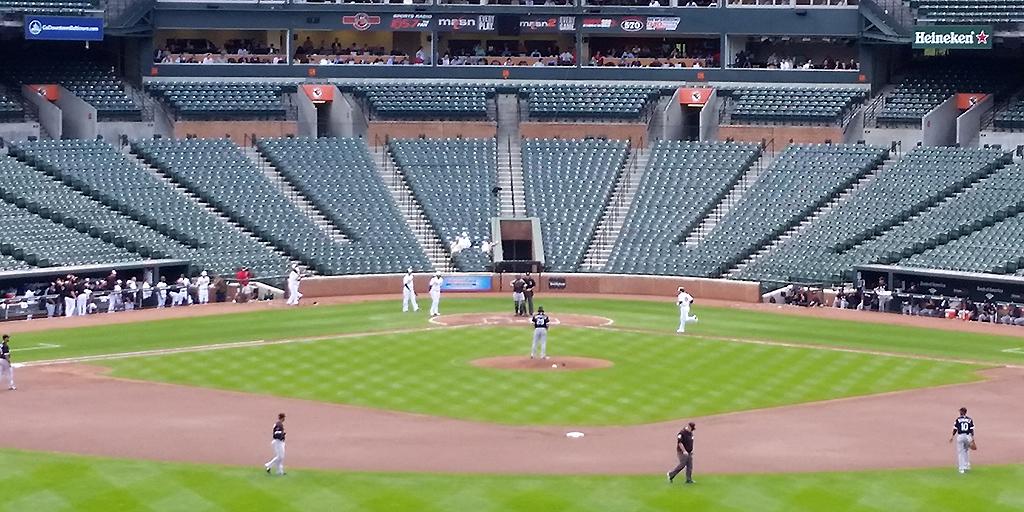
[(741, 187), (512, 199), (614, 214), (293, 195), (412, 211), (843, 196)]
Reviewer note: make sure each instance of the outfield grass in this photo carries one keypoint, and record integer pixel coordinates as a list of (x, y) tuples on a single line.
[(385, 315), (655, 377), (56, 483)]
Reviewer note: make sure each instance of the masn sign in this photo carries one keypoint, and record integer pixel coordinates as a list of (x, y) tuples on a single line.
[(953, 37)]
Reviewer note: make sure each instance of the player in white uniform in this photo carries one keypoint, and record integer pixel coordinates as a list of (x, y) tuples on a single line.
[(161, 292), (294, 277), (409, 293), (203, 287), (683, 300), (5, 362), (277, 443), (435, 294)]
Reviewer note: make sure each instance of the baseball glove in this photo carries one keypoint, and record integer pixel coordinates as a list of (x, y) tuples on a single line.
[(974, 446)]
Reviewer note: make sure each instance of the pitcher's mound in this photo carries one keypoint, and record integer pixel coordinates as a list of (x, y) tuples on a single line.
[(566, 363)]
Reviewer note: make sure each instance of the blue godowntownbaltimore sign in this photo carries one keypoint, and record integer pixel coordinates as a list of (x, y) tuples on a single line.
[(63, 28)]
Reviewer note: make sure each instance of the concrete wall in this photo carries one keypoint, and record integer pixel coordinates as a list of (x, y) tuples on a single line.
[(237, 130), (306, 122), (18, 131), (938, 126), (672, 119), (79, 119), (968, 124), (340, 117), (782, 134), (603, 284), (112, 130), (50, 117), (163, 122), (908, 137), (378, 131), (635, 132), (854, 130), (1008, 140), (709, 117)]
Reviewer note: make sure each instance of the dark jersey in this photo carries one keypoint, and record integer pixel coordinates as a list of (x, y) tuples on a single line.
[(279, 431), (685, 438), (540, 321), (963, 425), (528, 286), (5, 352), (518, 286)]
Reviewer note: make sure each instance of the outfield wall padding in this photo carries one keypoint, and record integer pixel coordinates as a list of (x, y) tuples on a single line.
[(597, 284)]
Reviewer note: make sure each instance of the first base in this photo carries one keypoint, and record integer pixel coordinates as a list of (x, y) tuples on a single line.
[(574, 435)]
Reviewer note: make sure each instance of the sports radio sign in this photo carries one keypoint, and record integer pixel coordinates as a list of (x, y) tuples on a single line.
[(631, 24), (953, 37), (408, 21)]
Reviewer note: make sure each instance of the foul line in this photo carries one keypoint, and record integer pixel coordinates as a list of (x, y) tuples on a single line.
[(41, 346)]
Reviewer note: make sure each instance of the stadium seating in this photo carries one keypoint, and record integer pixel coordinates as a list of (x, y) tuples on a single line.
[(799, 181), (427, 100), (10, 109), (925, 88), (223, 100), (8, 263), (593, 102), (452, 179), (682, 183), (339, 178), (994, 249), (219, 173), (567, 183), (881, 220), (73, 7), (95, 84), (38, 193), (793, 105), (98, 170), (969, 11), (1012, 117)]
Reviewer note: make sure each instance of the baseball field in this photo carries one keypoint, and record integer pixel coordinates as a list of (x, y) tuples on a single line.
[(796, 410)]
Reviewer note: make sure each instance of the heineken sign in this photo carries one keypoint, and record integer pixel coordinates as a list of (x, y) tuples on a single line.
[(953, 37)]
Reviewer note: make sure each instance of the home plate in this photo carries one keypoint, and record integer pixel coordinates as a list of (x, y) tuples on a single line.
[(574, 435)]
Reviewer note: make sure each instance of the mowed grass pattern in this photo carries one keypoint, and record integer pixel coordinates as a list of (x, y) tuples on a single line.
[(655, 377), (62, 483)]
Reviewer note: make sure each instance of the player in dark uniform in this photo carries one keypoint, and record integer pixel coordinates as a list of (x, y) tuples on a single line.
[(518, 290), (684, 452), (963, 434), (5, 362), (540, 323), (277, 443), (528, 290)]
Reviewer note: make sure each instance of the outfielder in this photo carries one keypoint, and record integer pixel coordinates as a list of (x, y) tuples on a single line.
[(683, 300), (963, 434), (435, 294), (409, 292), (294, 277), (5, 362), (540, 334), (203, 287), (277, 443)]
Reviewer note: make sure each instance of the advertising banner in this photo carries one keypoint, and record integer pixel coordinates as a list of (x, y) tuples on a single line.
[(953, 37), (410, 21), (556, 283), (63, 28), (630, 24), (319, 93), (547, 24), (466, 284), (694, 95), (464, 23)]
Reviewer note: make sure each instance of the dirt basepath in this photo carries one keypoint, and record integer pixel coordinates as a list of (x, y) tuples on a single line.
[(71, 408)]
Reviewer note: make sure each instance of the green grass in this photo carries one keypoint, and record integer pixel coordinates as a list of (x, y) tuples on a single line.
[(385, 315), (655, 377), (57, 483)]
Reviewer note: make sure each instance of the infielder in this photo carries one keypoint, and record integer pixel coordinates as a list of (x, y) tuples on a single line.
[(684, 452), (203, 287), (963, 434), (5, 362), (277, 443), (435, 294), (293, 286), (409, 293), (683, 300), (540, 334)]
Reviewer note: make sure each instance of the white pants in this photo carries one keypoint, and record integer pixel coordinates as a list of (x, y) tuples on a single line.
[(204, 295), (50, 309), (409, 297), (80, 302), (278, 460), (293, 294), (684, 317), (112, 302), (5, 366), (177, 298), (435, 302), (130, 303), (161, 299), (540, 339), (69, 306), (963, 451)]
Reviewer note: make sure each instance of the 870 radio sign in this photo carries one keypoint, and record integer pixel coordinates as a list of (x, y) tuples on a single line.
[(632, 24)]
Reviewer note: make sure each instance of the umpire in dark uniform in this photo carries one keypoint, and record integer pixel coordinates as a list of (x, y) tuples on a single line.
[(528, 292), (684, 452)]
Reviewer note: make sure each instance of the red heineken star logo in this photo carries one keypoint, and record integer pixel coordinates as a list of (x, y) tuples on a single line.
[(982, 37)]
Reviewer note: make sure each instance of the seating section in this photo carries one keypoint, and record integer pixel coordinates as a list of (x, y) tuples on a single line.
[(29, 237), (9, 263), (800, 180), (219, 173), (94, 83), (1012, 117), (567, 184), (794, 105), (97, 169), (10, 108), (339, 178), (223, 100), (898, 210), (994, 249), (73, 7), (452, 179), (42, 195), (682, 183), (925, 88), (595, 102), (427, 100), (969, 11)]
